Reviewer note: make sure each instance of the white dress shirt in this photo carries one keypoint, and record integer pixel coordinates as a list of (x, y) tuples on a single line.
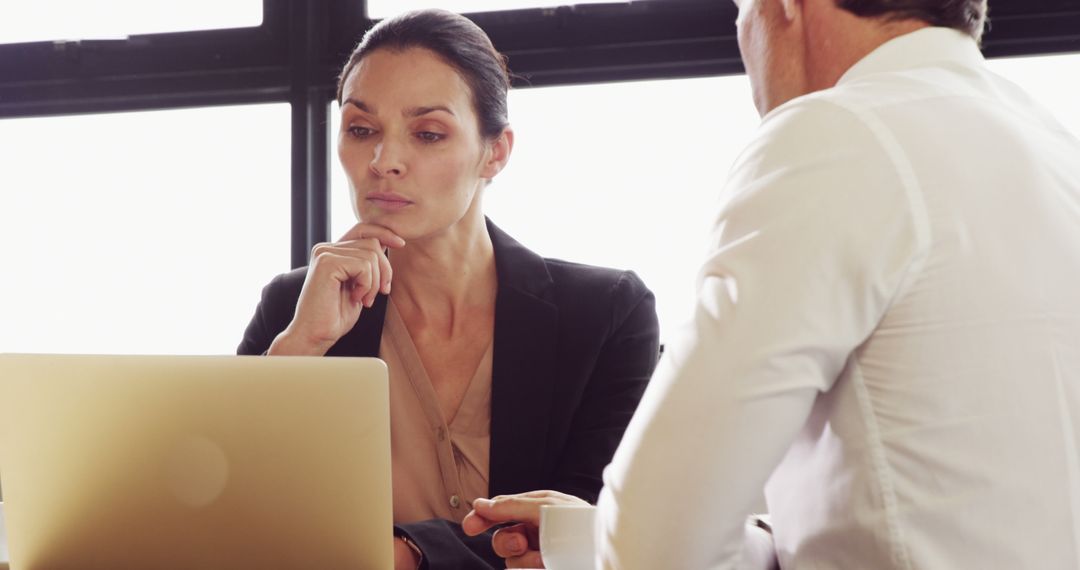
[(887, 331)]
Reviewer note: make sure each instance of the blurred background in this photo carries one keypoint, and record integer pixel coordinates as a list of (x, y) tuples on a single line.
[(161, 160)]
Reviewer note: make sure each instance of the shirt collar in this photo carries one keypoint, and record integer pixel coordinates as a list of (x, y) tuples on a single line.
[(917, 49)]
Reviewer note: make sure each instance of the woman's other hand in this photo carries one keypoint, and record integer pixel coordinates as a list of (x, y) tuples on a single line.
[(343, 277), (518, 544)]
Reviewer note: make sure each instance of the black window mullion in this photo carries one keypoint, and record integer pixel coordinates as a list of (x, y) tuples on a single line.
[(309, 97)]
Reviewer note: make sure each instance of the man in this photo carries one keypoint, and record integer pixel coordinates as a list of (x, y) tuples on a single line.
[(888, 328)]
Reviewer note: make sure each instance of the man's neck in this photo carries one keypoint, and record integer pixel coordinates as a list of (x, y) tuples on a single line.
[(837, 43)]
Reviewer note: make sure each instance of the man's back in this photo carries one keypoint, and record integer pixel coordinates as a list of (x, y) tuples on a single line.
[(888, 323), (949, 439)]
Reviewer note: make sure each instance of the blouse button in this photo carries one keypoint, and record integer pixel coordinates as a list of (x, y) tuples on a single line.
[(455, 502)]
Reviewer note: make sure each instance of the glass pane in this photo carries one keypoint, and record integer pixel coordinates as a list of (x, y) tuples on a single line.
[(149, 232), (385, 8), (1046, 78), (42, 20), (623, 175)]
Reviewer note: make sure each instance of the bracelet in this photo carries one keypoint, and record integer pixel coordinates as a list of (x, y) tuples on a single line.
[(416, 549)]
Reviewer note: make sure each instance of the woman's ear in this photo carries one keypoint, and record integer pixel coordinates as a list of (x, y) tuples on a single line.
[(498, 154)]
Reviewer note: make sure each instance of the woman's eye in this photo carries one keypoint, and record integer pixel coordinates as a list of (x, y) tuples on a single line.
[(360, 132), (428, 136)]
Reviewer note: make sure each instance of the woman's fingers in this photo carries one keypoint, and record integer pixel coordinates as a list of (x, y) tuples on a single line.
[(366, 283), (374, 284), (511, 541), (474, 524), (530, 559), (385, 235), (521, 508), (385, 272), (365, 244), (356, 271), (342, 277)]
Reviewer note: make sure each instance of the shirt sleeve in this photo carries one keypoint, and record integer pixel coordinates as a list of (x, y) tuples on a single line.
[(816, 240)]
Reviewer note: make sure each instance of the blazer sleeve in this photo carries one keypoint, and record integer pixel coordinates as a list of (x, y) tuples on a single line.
[(445, 546), (623, 368), (273, 313)]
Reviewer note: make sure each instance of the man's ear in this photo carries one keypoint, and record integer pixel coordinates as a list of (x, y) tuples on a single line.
[(498, 154)]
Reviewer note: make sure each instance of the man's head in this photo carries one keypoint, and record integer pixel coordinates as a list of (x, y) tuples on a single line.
[(794, 47), (968, 16)]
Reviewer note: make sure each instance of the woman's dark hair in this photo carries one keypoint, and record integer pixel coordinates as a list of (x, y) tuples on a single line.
[(460, 43), (965, 15)]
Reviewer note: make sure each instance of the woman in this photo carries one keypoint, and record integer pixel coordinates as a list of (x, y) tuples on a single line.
[(508, 372)]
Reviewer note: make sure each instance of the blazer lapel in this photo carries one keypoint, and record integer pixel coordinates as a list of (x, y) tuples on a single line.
[(523, 367)]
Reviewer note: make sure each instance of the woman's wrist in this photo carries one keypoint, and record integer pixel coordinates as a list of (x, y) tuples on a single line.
[(289, 343), (417, 555)]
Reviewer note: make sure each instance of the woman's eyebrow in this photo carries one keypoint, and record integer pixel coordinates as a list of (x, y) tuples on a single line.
[(419, 111), (409, 112), (359, 105)]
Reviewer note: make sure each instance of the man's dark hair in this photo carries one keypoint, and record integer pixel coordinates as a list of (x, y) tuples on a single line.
[(968, 16), (460, 43)]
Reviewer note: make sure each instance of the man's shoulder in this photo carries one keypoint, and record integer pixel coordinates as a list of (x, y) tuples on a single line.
[(819, 128), (819, 151), (854, 101), (809, 114)]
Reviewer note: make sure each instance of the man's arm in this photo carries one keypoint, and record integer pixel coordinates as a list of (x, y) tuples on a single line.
[(816, 242)]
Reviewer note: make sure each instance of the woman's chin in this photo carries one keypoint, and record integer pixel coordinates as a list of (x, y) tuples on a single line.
[(402, 228), (385, 219)]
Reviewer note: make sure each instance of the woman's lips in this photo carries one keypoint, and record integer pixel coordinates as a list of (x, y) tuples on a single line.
[(388, 201)]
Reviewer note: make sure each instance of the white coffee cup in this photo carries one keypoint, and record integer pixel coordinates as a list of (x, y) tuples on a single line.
[(566, 537)]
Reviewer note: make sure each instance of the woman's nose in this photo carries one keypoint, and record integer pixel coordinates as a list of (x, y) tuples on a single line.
[(388, 160)]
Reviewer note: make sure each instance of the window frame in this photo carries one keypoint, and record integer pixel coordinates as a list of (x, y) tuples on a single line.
[(295, 56)]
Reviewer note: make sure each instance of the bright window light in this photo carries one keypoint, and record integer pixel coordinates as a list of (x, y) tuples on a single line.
[(1046, 78), (43, 20), (139, 233), (625, 175), (386, 8)]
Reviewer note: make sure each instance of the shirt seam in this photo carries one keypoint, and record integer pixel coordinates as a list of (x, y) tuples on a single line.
[(919, 219), (897, 544), (916, 203), (1068, 428)]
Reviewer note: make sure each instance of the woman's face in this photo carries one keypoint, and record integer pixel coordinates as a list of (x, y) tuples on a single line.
[(411, 146)]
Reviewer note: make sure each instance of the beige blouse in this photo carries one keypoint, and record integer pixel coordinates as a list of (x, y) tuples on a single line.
[(438, 468)]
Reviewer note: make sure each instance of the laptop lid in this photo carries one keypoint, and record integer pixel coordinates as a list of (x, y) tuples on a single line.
[(156, 462)]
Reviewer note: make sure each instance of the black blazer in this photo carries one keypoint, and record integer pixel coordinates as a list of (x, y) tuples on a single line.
[(574, 347)]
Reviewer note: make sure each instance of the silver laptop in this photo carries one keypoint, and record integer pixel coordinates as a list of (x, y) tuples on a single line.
[(195, 462)]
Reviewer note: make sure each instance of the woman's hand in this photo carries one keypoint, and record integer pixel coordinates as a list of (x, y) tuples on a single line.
[(519, 544), (343, 278)]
